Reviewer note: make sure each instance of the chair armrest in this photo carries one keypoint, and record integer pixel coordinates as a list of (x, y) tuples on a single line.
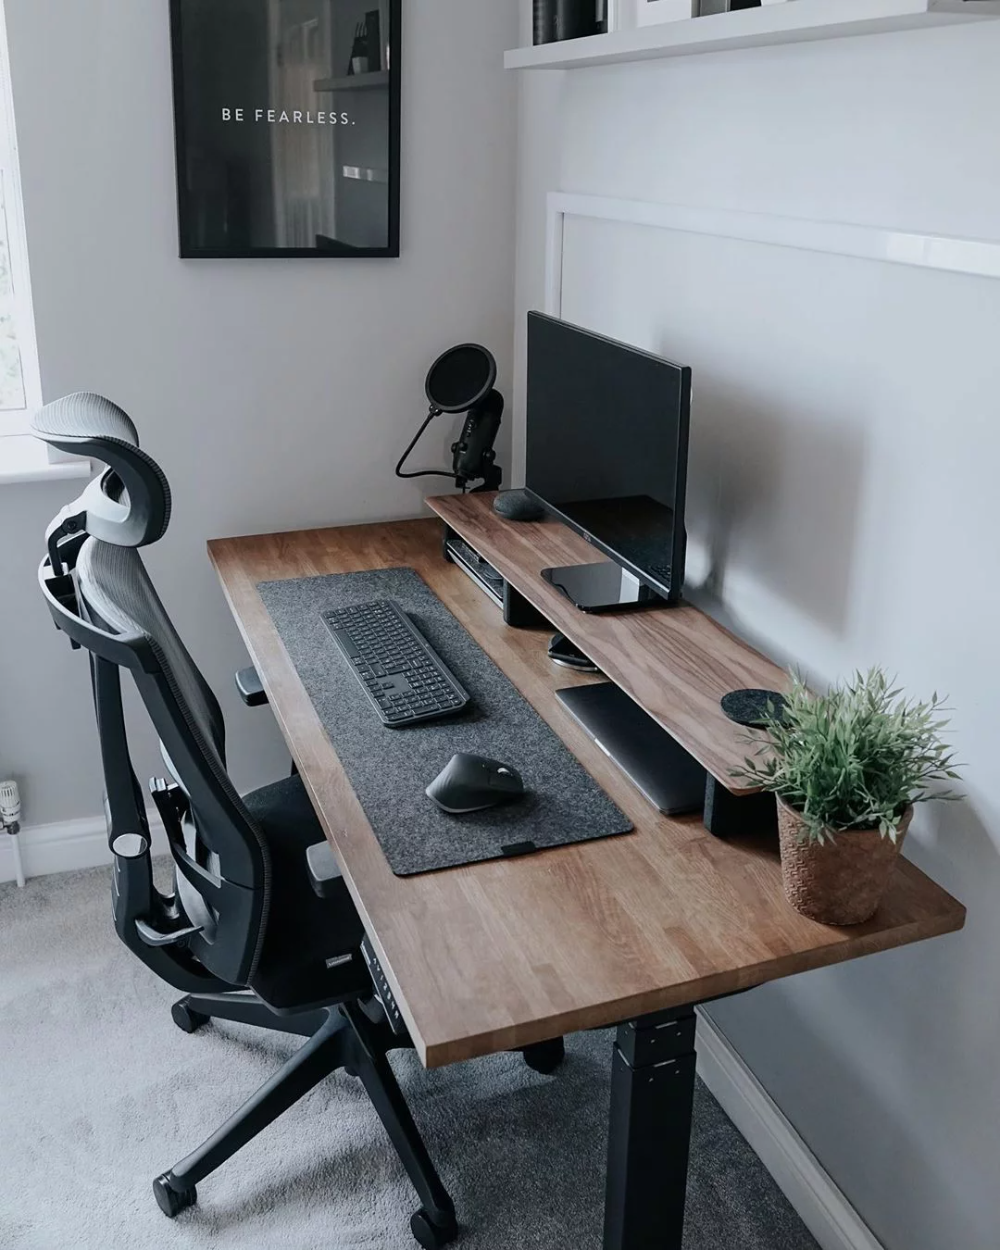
[(324, 871), (248, 683)]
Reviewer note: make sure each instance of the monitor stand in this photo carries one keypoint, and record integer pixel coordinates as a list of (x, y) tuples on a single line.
[(600, 587)]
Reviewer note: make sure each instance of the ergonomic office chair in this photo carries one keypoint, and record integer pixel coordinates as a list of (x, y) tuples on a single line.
[(245, 934)]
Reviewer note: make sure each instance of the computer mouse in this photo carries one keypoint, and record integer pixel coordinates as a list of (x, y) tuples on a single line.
[(472, 783)]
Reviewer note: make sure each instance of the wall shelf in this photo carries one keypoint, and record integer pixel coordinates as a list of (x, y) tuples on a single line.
[(797, 21), (355, 82)]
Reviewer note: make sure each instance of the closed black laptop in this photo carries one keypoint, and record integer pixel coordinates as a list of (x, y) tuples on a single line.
[(666, 774)]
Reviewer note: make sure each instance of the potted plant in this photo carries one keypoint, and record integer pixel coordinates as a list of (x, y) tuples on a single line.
[(846, 769)]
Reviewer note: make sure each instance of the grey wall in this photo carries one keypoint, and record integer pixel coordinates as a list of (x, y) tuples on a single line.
[(276, 394), (843, 480)]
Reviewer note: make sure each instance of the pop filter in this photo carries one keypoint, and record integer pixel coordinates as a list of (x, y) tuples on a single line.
[(461, 378)]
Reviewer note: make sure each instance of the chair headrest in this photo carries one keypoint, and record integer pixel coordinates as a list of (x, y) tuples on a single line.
[(129, 505)]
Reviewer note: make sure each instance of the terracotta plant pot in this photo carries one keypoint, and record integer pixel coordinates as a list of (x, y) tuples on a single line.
[(841, 882)]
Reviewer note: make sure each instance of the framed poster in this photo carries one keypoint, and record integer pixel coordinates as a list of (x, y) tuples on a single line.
[(287, 120)]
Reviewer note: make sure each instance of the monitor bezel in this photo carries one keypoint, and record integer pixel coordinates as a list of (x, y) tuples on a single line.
[(673, 592)]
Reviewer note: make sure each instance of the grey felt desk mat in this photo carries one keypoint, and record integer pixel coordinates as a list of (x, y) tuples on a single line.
[(389, 769)]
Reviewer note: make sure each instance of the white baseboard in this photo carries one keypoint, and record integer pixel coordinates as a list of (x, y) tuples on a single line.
[(65, 846), (820, 1205)]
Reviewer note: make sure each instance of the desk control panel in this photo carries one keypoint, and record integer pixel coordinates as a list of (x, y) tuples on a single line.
[(382, 991)]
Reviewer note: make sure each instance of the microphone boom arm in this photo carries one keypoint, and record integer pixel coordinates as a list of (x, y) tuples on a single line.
[(473, 457), (434, 412)]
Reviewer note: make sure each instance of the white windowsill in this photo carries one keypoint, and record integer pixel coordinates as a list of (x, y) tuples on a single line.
[(25, 459)]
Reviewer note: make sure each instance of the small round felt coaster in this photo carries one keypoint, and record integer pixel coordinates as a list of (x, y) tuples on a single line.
[(515, 505), (750, 707)]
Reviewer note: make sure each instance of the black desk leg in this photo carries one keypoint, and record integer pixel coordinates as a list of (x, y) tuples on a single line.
[(652, 1094)]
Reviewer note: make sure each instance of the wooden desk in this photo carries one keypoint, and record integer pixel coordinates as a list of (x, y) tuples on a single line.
[(500, 955)]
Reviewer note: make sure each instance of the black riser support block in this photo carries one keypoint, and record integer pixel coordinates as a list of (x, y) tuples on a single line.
[(728, 815), (519, 613)]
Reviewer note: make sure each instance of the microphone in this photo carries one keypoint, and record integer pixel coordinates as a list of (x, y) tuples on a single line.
[(473, 454), (461, 380)]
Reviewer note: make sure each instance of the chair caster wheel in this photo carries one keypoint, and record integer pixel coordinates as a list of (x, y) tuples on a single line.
[(172, 1201), (430, 1235), (186, 1019), (545, 1057)]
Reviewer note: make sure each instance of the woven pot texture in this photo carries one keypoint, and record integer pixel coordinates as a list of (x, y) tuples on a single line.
[(841, 882)]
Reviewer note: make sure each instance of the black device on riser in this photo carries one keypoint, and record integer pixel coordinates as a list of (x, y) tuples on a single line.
[(517, 611), (405, 679), (478, 570), (606, 453), (242, 933)]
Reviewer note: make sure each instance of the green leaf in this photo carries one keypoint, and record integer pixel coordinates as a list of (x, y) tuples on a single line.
[(855, 757)]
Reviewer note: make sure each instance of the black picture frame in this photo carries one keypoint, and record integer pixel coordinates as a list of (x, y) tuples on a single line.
[(189, 249)]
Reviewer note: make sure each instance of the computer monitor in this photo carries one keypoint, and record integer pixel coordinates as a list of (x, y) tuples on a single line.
[(607, 449)]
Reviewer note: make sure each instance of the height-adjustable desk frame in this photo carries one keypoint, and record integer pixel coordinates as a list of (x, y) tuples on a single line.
[(636, 929)]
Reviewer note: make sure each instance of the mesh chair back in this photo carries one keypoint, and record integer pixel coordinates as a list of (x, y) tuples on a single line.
[(99, 593), (129, 505)]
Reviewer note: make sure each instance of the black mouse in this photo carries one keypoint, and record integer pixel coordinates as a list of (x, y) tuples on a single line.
[(472, 783)]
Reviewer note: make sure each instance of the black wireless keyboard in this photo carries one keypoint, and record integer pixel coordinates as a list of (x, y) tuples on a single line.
[(403, 676)]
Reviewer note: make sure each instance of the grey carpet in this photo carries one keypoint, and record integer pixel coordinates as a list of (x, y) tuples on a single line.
[(389, 769), (99, 1092)]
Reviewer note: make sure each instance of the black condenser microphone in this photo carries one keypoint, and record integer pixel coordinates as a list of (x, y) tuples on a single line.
[(474, 454), (461, 380)]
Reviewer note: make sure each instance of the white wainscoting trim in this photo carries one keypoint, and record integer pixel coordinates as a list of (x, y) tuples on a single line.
[(821, 1206), (978, 257), (66, 846)]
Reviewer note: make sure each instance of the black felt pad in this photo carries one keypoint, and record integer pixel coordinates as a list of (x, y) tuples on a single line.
[(389, 769), (753, 708)]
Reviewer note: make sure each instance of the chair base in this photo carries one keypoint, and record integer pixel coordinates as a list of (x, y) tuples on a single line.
[(338, 1037), (430, 1235), (170, 1200)]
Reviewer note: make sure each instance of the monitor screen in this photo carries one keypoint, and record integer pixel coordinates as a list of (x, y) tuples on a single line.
[(607, 439)]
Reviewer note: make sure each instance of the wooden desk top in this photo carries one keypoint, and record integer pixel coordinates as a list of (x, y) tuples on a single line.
[(494, 956)]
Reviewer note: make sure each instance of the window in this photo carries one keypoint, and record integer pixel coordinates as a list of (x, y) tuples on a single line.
[(20, 386)]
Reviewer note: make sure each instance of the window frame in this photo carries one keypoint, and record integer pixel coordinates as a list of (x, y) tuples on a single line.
[(16, 422)]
